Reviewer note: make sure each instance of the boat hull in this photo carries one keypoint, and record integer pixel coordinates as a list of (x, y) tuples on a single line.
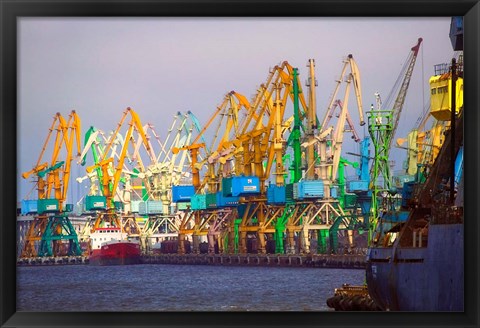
[(116, 253), (420, 278)]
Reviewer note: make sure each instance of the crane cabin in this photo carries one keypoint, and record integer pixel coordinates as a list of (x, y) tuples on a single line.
[(440, 96)]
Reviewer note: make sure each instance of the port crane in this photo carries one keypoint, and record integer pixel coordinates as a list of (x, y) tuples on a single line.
[(200, 220), (318, 208), (382, 125), (52, 226), (424, 144), (164, 171), (107, 209), (95, 141), (262, 146)]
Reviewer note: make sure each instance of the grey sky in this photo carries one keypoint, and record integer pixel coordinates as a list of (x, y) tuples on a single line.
[(159, 66)]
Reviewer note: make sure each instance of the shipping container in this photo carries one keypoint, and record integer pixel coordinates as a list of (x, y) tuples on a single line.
[(154, 207), (182, 193), (358, 185), (308, 189), (93, 203), (240, 186), (142, 208), (276, 194), (29, 206), (334, 192), (199, 202), (134, 206), (48, 205)]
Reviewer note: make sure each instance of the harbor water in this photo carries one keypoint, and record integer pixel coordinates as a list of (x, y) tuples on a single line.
[(157, 287)]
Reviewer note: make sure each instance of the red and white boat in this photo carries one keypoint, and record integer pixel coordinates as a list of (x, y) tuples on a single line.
[(110, 246)]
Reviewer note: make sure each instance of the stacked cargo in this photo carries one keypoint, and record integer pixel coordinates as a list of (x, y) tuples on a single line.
[(47, 206), (182, 193), (241, 186)]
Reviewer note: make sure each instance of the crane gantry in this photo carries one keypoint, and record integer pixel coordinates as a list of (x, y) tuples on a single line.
[(51, 226), (105, 205), (382, 125)]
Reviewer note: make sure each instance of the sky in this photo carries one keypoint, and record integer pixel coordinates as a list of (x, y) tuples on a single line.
[(159, 66)]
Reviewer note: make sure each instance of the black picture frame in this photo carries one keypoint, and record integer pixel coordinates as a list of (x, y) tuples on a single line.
[(12, 10)]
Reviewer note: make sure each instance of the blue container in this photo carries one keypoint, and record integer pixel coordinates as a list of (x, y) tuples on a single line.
[(223, 201), (308, 189), (135, 206), (276, 194), (199, 202), (245, 185), (154, 207), (359, 185), (95, 203), (142, 208), (182, 193), (48, 205), (334, 192), (29, 206)]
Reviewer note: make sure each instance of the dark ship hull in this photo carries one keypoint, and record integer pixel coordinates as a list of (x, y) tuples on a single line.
[(418, 265), (420, 278)]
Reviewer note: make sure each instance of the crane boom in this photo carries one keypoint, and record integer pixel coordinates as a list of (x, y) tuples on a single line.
[(400, 100)]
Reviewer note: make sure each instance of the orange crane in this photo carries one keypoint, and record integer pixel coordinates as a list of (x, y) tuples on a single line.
[(319, 209), (263, 144), (201, 221), (164, 171), (106, 206), (52, 225)]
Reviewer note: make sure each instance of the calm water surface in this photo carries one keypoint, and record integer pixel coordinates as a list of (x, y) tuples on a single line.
[(149, 287)]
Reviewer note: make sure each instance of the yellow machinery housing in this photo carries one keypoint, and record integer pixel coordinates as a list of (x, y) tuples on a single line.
[(440, 100)]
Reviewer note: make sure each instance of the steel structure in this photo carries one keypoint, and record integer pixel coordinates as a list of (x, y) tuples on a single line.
[(164, 171), (382, 125), (107, 209), (319, 212), (51, 227)]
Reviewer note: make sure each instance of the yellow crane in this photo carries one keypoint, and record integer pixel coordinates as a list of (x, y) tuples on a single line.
[(225, 122), (109, 184), (318, 210), (52, 225), (262, 144)]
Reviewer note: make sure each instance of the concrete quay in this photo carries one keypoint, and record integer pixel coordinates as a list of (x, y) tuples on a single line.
[(267, 260), (50, 260)]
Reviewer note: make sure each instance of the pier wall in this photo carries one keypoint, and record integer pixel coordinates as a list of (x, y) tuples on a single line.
[(269, 260)]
